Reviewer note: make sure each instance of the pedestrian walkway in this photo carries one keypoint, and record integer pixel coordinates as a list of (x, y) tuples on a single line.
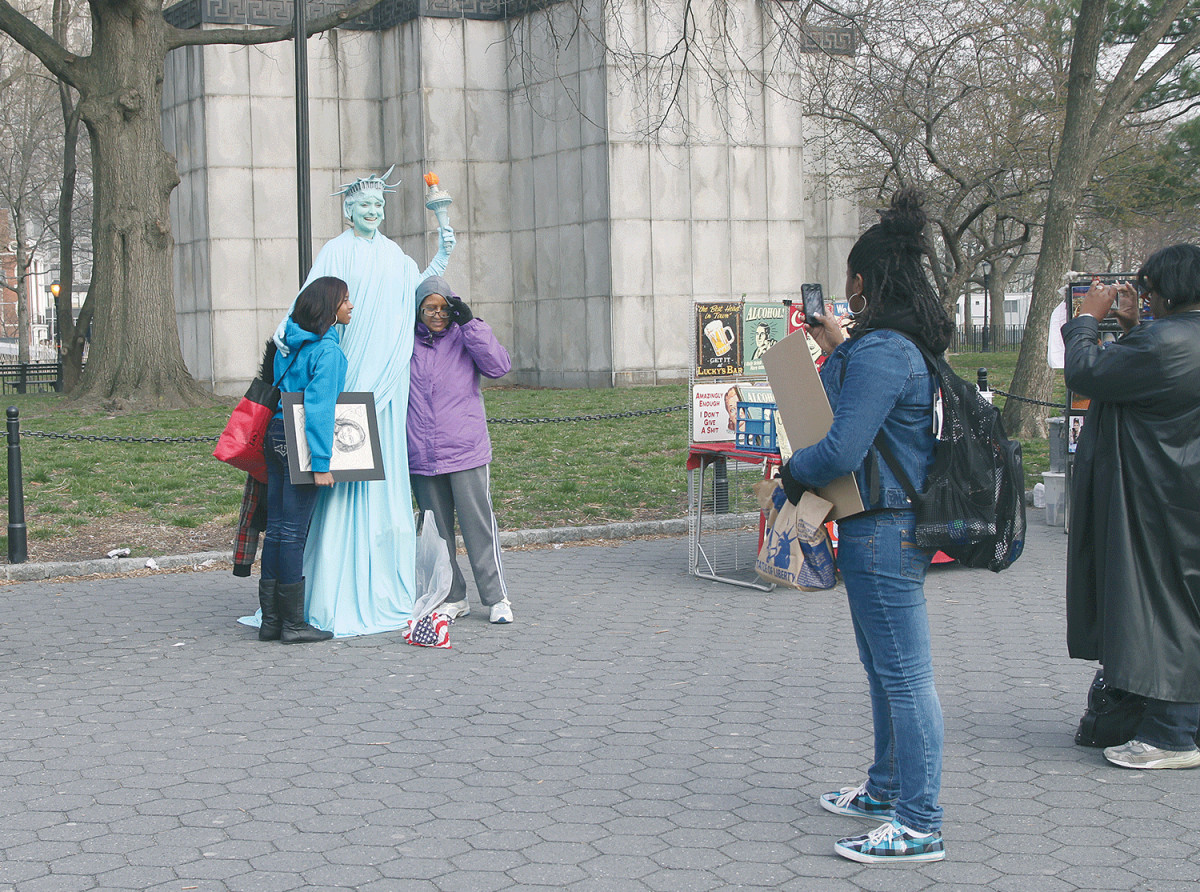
[(635, 729)]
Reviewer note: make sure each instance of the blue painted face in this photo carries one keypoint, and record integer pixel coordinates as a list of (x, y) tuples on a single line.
[(366, 213)]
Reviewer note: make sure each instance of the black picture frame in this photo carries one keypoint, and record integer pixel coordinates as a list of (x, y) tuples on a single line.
[(357, 455)]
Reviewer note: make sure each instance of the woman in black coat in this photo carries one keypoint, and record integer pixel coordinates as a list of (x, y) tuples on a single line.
[(1133, 556)]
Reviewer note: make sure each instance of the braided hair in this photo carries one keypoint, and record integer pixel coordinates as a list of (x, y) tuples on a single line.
[(889, 256)]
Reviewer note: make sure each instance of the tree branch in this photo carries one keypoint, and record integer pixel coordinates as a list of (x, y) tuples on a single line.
[(62, 64), (1129, 85)]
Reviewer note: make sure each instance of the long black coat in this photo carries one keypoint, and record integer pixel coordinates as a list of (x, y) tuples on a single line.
[(1133, 555)]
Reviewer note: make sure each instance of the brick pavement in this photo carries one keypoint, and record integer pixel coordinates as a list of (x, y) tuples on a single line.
[(636, 729)]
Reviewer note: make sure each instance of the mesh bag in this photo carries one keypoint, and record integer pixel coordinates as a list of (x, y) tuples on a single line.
[(973, 506)]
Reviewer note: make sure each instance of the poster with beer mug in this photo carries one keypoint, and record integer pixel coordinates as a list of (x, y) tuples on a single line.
[(719, 339)]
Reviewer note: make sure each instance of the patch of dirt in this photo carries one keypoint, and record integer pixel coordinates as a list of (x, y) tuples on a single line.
[(98, 538), (146, 539)]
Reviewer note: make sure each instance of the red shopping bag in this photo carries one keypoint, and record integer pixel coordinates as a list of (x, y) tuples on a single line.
[(241, 443)]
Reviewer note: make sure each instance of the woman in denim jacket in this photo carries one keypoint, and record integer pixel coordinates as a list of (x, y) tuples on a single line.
[(879, 386)]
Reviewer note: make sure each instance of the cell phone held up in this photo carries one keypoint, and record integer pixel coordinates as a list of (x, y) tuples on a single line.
[(814, 302)]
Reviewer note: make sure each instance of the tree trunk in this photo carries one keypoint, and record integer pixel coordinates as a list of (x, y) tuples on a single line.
[(1033, 378), (136, 358), (64, 319), (22, 289)]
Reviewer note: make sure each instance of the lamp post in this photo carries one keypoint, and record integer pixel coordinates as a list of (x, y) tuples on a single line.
[(987, 300), (303, 164), (55, 291)]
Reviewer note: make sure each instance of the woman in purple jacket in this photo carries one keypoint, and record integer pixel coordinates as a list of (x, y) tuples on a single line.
[(449, 450)]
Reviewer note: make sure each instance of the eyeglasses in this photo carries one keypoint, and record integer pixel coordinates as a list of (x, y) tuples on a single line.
[(436, 314)]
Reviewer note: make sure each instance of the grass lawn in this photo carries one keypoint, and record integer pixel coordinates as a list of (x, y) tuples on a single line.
[(543, 475), (1000, 366)]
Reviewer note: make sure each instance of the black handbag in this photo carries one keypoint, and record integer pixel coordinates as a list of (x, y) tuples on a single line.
[(1112, 715)]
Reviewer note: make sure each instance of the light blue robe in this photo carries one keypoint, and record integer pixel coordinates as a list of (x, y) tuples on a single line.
[(360, 560)]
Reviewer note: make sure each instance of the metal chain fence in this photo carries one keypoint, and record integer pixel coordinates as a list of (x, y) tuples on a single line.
[(1025, 399), (98, 438)]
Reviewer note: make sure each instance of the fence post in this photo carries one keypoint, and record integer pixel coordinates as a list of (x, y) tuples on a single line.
[(981, 382), (17, 545), (58, 377)]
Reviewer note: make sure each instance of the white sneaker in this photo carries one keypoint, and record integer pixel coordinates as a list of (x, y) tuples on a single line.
[(454, 609), (501, 612), (1136, 754)]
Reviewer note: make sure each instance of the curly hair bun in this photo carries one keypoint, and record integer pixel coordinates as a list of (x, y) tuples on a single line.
[(906, 218)]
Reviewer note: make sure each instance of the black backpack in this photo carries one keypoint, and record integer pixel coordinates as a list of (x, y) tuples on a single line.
[(973, 506)]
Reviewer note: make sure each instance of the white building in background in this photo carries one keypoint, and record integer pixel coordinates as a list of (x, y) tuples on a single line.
[(1016, 309), (580, 241)]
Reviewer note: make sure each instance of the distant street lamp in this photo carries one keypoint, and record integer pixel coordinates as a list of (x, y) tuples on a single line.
[(987, 299), (55, 291)]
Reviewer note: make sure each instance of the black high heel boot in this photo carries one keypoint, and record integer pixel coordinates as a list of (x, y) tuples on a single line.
[(291, 606), (269, 602)]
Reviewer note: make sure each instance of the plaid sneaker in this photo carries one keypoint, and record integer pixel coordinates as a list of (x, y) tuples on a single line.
[(855, 802), (892, 843), (1136, 754)]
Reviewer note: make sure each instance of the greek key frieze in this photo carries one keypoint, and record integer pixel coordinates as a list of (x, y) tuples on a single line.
[(834, 41)]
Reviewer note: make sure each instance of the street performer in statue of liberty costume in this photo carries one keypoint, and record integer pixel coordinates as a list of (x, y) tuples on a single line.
[(360, 561)]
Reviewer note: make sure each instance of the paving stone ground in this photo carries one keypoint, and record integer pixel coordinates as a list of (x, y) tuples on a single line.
[(636, 729)]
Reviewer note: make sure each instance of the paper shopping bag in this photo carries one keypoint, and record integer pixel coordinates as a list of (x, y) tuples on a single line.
[(796, 551)]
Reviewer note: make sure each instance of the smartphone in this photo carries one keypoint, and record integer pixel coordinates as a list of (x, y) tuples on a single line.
[(814, 302)]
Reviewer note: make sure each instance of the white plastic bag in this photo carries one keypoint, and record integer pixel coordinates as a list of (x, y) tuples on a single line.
[(433, 568)]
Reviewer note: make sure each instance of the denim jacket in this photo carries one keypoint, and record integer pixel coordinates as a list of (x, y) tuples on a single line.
[(878, 381)]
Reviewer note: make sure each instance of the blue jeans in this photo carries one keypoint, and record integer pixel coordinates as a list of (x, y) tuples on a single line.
[(1169, 726), (884, 573), (289, 509)]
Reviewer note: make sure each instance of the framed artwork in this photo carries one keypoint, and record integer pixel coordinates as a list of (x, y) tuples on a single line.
[(357, 454)]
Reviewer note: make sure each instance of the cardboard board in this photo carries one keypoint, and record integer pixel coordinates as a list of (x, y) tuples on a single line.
[(805, 412)]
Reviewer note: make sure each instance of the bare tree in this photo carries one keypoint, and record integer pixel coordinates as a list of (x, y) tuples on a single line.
[(959, 100), (135, 355), (1100, 96), (28, 165)]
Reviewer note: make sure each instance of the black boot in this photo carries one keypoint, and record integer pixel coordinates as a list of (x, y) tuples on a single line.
[(291, 606), (269, 602)]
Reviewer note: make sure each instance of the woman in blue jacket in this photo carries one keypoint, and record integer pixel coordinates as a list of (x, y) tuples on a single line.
[(316, 367), (879, 387), (449, 450)]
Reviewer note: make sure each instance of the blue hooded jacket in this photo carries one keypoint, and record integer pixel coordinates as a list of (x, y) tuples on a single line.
[(315, 366)]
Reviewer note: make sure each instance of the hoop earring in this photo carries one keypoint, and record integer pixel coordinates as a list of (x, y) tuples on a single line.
[(850, 304)]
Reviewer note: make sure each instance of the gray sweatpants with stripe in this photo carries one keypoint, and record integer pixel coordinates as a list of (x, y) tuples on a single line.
[(467, 494)]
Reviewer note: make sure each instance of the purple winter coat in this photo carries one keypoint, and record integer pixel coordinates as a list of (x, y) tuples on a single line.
[(447, 428)]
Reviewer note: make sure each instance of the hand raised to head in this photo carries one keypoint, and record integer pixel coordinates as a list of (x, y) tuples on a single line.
[(459, 311)]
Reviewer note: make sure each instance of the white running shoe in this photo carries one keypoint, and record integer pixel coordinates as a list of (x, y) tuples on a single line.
[(453, 609), (501, 612)]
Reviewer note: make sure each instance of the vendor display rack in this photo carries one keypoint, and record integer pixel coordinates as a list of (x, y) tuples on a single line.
[(724, 521)]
